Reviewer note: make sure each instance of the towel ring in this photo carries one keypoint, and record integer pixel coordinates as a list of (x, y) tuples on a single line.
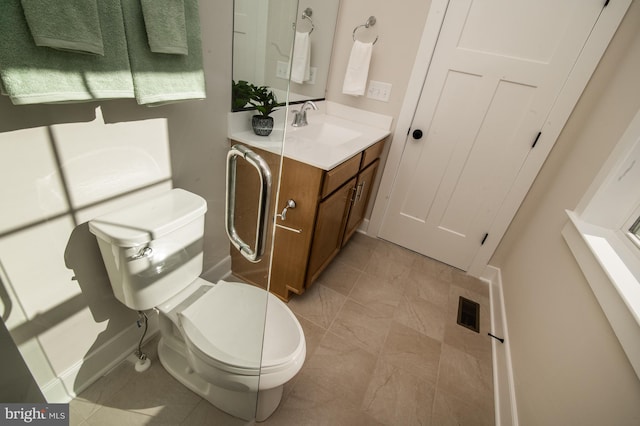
[(307, 15), (370, 23)]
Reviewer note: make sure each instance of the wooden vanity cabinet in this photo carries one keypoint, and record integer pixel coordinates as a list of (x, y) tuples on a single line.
[(330, 205)]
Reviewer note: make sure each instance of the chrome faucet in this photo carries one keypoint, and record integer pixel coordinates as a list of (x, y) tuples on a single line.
[(300, 117)]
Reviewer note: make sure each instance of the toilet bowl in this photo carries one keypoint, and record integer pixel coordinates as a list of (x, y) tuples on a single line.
[(215, 332), (229, 342)]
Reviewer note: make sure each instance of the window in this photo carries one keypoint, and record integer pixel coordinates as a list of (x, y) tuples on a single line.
[(634, 230), (604, 236)]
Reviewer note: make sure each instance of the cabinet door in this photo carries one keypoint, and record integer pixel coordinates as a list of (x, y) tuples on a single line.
[(300, 183), (327, 237), (360, 200)]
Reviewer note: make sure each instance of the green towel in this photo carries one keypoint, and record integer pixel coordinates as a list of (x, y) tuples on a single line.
[(67, 25), (165, 24), (159, 78), (32, 74)]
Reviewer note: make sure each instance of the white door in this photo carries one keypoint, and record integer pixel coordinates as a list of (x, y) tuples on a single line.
[(496, 71)]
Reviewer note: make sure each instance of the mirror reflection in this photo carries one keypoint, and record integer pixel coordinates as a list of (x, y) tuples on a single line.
[(263, 46)]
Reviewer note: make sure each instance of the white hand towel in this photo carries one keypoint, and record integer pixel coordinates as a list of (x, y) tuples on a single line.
[(355, 80), (301, 58)]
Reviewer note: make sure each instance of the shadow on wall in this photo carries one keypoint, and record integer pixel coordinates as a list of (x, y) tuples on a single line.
[(82, 255), (55, 292)]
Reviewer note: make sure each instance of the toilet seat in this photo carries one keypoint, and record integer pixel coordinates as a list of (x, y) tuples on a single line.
[(225, 326)]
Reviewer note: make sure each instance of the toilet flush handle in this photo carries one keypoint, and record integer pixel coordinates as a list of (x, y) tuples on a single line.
[(144, 252)]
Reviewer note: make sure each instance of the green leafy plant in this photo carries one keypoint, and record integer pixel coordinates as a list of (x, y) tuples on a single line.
[(263, 99), (241, 93)]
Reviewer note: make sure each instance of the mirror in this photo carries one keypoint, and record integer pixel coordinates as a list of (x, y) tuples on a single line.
[(264, 31)]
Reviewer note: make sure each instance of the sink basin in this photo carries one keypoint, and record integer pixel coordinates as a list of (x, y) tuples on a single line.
[(326, 142), (326, 134)]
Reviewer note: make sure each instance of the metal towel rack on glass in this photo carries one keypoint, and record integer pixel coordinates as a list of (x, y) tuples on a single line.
[(264, 199)]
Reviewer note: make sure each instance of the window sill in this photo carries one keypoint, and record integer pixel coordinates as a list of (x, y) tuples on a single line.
[(613, 272)]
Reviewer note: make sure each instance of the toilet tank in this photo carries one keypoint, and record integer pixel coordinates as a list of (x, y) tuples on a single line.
[(152, 249)]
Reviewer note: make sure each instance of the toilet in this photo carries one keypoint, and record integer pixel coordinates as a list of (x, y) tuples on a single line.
[(211, 335)]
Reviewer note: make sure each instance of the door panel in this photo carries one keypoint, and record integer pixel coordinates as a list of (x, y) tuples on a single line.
[(496, 71)]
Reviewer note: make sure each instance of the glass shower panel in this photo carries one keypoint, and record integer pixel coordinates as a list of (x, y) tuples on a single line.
[(263, 40)]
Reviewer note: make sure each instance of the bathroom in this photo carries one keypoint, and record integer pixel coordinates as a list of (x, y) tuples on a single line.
[(48, 256)]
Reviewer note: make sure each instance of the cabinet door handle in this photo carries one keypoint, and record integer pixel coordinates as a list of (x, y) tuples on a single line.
[(263, 201), (354, 194), (291, 204), (359, 191)]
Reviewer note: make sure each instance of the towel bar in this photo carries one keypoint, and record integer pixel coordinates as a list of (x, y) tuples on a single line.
[(308, 12), (370, 23)]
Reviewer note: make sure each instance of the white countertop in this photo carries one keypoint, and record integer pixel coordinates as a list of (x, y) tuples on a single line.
[(326, 142)]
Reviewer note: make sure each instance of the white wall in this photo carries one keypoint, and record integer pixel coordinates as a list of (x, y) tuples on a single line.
[(399, 27), (62, 165), (568, 365)]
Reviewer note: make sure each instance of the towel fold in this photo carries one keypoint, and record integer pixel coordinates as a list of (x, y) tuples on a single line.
[(164, 21), (159, 78), (301, 58), (355, 79), (67, 25), (31, 74)]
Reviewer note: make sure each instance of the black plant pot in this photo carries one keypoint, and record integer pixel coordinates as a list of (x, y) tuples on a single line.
[(262, 125)]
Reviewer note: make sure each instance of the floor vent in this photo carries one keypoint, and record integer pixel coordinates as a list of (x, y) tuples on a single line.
[(469, 314)]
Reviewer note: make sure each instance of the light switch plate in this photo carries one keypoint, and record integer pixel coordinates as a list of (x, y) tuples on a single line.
[(379, 90), (282, 70)]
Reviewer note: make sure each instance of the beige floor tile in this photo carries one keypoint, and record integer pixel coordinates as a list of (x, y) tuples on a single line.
[(362, 325), (109, 416), (340, 276), (423, 316), (319, 304), (461, 279), (90, 401), (390, 262), (155, 393), (396, 397), (342, 366), (378, 293), (358, 250), (412, 352), (433, 269), (206, 414), (422, 285), (475, 344), (466, 377), (312, 404), (448, 410)]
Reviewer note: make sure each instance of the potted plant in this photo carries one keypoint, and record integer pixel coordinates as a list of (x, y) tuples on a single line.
[(240, 94), (265, 102)]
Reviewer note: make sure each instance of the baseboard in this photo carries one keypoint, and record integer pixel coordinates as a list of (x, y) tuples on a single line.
[(503, 386), (218, 271), (70, 383)]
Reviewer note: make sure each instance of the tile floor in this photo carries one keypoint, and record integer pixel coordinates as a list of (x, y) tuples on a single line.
[(383, 348)]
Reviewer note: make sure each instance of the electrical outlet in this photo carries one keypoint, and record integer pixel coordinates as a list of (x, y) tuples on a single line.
[(379, 91), (282, 70)]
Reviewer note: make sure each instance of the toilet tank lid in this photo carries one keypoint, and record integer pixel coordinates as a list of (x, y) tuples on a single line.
[(150, 219)]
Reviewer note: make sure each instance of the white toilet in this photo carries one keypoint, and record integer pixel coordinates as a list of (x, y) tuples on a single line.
[(211, 334)]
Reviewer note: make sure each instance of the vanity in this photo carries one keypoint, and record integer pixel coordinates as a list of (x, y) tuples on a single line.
[(327, 174)]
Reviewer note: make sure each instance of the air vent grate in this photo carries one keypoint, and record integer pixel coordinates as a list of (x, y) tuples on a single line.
[(469, 314)]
